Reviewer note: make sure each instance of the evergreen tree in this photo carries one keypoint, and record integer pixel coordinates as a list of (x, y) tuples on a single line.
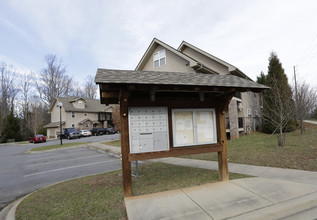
[(278, 108), (12, 127)]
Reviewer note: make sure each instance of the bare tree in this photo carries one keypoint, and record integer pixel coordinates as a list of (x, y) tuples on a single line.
[(8, 92), (36, 117), (26, 84), (53, 81), (90, 88), (305, 101), (279, 108), (77, 90)]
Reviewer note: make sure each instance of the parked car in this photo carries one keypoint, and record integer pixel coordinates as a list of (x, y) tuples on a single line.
[(97, 131), (70, 133), (85, 133), (109, 131), (38, 138)]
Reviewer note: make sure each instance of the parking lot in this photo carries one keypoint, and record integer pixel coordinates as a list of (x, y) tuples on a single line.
[(22, 173)]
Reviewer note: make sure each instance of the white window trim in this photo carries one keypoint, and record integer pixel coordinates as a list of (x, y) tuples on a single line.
[(249, 111), (159, 59), (194, 123)]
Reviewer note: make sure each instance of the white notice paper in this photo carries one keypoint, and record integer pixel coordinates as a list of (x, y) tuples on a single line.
[(188, 124), (204, 116), (180, 139), (180, 126)]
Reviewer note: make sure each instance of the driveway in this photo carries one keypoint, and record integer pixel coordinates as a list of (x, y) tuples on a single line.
[(22, 173), (311, 122)]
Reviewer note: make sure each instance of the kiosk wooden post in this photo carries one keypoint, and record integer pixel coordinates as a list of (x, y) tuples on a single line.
[(223, 155), (126, 164)]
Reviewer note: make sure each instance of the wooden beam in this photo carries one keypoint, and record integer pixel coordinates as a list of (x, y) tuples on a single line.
[(222, 155), (125, 151), (179, 151), (110, 95)]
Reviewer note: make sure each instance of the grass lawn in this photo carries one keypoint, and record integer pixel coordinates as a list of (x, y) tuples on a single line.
[(116, 143), (56, 146), (261, 149), (101, 196)]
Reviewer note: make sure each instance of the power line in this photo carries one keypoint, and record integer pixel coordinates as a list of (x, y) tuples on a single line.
[(309, 50)]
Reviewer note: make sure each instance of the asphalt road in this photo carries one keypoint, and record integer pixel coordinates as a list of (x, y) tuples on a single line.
[(22, 173)]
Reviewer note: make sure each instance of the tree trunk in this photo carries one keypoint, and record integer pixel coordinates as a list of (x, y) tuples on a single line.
[(301, 126), (281, 138)]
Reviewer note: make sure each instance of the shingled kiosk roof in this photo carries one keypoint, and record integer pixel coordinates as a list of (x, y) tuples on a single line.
[(179, 79)]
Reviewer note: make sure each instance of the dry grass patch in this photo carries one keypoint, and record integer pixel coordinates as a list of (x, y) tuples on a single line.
[(261, 149), (101, 196)]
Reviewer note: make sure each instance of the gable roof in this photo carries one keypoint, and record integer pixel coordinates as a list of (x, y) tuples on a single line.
[(155, 42), (91, 105), (232, 69), (193, 63), (175, 78), (77, 98)]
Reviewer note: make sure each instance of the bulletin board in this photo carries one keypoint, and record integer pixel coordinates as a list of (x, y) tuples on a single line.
[(194, 127)]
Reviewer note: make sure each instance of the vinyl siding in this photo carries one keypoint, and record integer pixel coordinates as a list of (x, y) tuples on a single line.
[(174, 63), (210, 63)]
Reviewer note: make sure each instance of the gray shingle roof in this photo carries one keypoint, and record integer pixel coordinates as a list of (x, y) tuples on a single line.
[(91, 105), (173, 78), (53, 124)]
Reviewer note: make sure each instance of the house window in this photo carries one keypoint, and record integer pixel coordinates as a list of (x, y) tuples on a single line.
[(73, 125), (159, 58), (249, 113), (73, 114), (87, 125), (80, 102), (85, 113), (256, 113), (194, 127)]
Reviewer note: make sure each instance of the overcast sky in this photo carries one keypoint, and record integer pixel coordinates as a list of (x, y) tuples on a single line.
[(115, 34)]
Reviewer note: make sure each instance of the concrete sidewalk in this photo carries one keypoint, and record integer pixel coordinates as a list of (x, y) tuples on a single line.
[(274, 193)]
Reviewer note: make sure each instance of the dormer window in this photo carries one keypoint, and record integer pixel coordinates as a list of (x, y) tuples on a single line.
[(80, 102), (159, 58)]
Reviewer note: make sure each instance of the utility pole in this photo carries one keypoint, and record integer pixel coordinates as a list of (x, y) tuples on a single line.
[(296, 97)]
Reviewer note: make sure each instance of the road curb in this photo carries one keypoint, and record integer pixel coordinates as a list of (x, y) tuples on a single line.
[(63, 148), (8, 213), (105, 149)]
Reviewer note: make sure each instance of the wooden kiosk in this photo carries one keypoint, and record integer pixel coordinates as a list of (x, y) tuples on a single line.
[(167, 114)]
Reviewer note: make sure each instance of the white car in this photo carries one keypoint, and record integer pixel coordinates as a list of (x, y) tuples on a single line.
[(85, 133)]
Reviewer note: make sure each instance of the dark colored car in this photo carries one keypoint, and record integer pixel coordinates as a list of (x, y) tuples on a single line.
[(97, 131), (109, 131), (71, 133), (37, 138)]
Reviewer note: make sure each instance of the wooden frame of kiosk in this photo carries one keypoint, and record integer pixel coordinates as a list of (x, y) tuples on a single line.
[(166, 114)]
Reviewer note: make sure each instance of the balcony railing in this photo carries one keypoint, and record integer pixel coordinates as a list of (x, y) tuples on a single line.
[(240, 123)]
